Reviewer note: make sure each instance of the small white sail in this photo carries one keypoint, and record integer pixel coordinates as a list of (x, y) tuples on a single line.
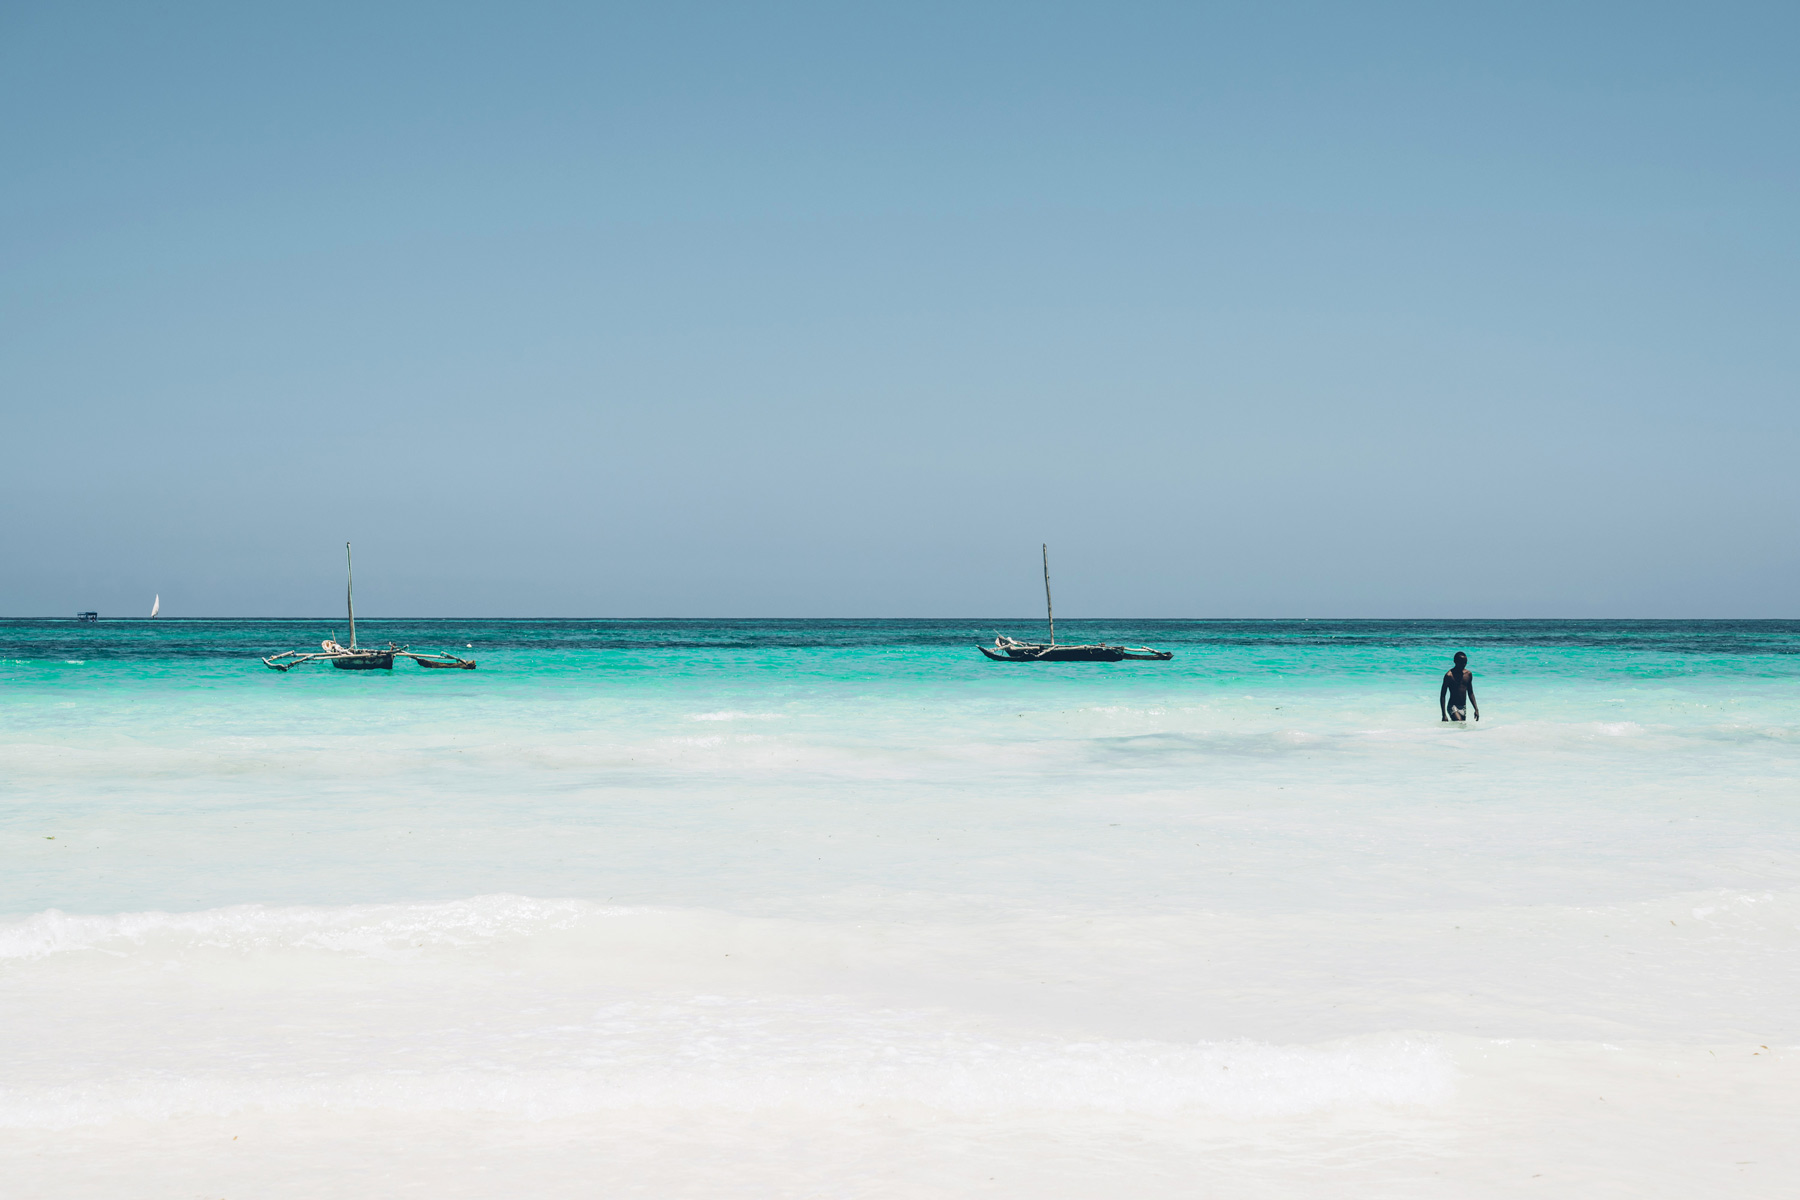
[(156, 604)]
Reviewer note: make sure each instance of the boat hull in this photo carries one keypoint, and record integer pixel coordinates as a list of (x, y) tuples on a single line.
[(364, 662), (1057, 654)]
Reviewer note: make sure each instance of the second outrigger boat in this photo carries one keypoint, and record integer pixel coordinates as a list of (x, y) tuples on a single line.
[(361, 658), (1012, 650)]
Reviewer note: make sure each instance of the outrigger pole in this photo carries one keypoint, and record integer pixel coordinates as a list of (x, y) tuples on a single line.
[(1049, 612)]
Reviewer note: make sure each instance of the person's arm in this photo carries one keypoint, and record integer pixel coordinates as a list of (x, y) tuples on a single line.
[(1473, 707), (1443, 690)]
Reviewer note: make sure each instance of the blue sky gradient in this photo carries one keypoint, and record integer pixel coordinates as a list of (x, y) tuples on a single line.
[(816, 310)]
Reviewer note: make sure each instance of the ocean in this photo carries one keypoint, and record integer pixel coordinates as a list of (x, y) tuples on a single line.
[(841, 908)]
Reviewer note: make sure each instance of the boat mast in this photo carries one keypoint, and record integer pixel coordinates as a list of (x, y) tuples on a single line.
[(350, 600), (1049, 612)]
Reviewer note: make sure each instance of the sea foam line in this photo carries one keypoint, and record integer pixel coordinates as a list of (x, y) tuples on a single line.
[(356, 928), (960, 1075)]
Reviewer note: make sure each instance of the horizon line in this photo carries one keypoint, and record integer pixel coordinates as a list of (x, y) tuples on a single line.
[(974, 620)]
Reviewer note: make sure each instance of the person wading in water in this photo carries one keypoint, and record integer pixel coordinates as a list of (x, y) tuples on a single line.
[(1459, 689)]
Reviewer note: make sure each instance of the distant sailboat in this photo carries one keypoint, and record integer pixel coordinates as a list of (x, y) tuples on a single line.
[(360, 658), (156, 605), (1012, 650)]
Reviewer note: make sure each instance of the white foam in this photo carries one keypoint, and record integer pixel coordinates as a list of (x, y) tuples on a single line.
[(741, 1066), (544, 1008), (367, 929), (733, 715)]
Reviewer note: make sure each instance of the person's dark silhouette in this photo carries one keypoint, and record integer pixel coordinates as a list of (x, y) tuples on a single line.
[(1459, 690)]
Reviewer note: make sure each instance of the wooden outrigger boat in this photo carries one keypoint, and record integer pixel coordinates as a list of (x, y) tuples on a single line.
[(361, 658), (1012, 650)]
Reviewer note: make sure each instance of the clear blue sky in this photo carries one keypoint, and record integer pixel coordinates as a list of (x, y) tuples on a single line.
[(1248, 310)]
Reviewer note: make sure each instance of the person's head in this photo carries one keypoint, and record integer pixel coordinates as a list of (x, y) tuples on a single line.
[(1462, 660)]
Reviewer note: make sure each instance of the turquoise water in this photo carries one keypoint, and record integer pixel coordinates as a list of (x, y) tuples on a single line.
[(156, 730), (665, 874)]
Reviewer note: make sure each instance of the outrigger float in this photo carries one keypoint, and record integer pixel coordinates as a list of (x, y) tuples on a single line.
[(362, 658), (1012, 650)]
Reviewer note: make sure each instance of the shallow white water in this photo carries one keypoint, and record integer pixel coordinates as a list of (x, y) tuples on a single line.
[(804, 927)]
